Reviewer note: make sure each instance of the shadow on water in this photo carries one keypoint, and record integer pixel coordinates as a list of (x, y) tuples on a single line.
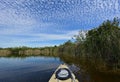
[(85, 73)]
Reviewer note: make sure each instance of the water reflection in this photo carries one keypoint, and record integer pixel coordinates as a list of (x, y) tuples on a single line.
[(85, 73), (40, 69), (29, 69)]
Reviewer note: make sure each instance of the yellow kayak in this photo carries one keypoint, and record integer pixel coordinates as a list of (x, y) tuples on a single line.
[(63, 74)]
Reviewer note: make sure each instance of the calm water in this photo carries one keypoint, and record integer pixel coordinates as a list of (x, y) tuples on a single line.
[(29, 69), (40, 69)]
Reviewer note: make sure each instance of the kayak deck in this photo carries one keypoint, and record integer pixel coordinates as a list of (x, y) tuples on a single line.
[(54, 79)]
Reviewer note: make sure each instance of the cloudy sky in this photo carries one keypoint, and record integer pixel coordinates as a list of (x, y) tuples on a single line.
[(38, 23)]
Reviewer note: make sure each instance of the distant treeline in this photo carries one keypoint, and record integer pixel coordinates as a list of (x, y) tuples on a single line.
[(27, 51), (98, 47)]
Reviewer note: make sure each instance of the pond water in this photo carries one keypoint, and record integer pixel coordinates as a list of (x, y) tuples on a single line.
[(40, 69), (29, 69)]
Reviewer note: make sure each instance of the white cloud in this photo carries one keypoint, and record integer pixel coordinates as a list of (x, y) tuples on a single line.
[(23, 21), (9, 17), (13, 40), (20, 12), (26, 37), (38, 37)]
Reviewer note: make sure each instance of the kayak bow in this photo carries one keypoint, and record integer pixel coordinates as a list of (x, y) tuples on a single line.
[(63, 74)]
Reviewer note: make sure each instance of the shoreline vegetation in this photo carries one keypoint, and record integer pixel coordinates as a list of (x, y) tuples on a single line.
[(98, 48), (27, 51)]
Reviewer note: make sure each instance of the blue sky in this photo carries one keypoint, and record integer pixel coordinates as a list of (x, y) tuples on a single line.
[(39, 23)]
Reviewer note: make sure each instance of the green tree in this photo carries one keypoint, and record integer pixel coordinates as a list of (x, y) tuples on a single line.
[(104, 42)]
